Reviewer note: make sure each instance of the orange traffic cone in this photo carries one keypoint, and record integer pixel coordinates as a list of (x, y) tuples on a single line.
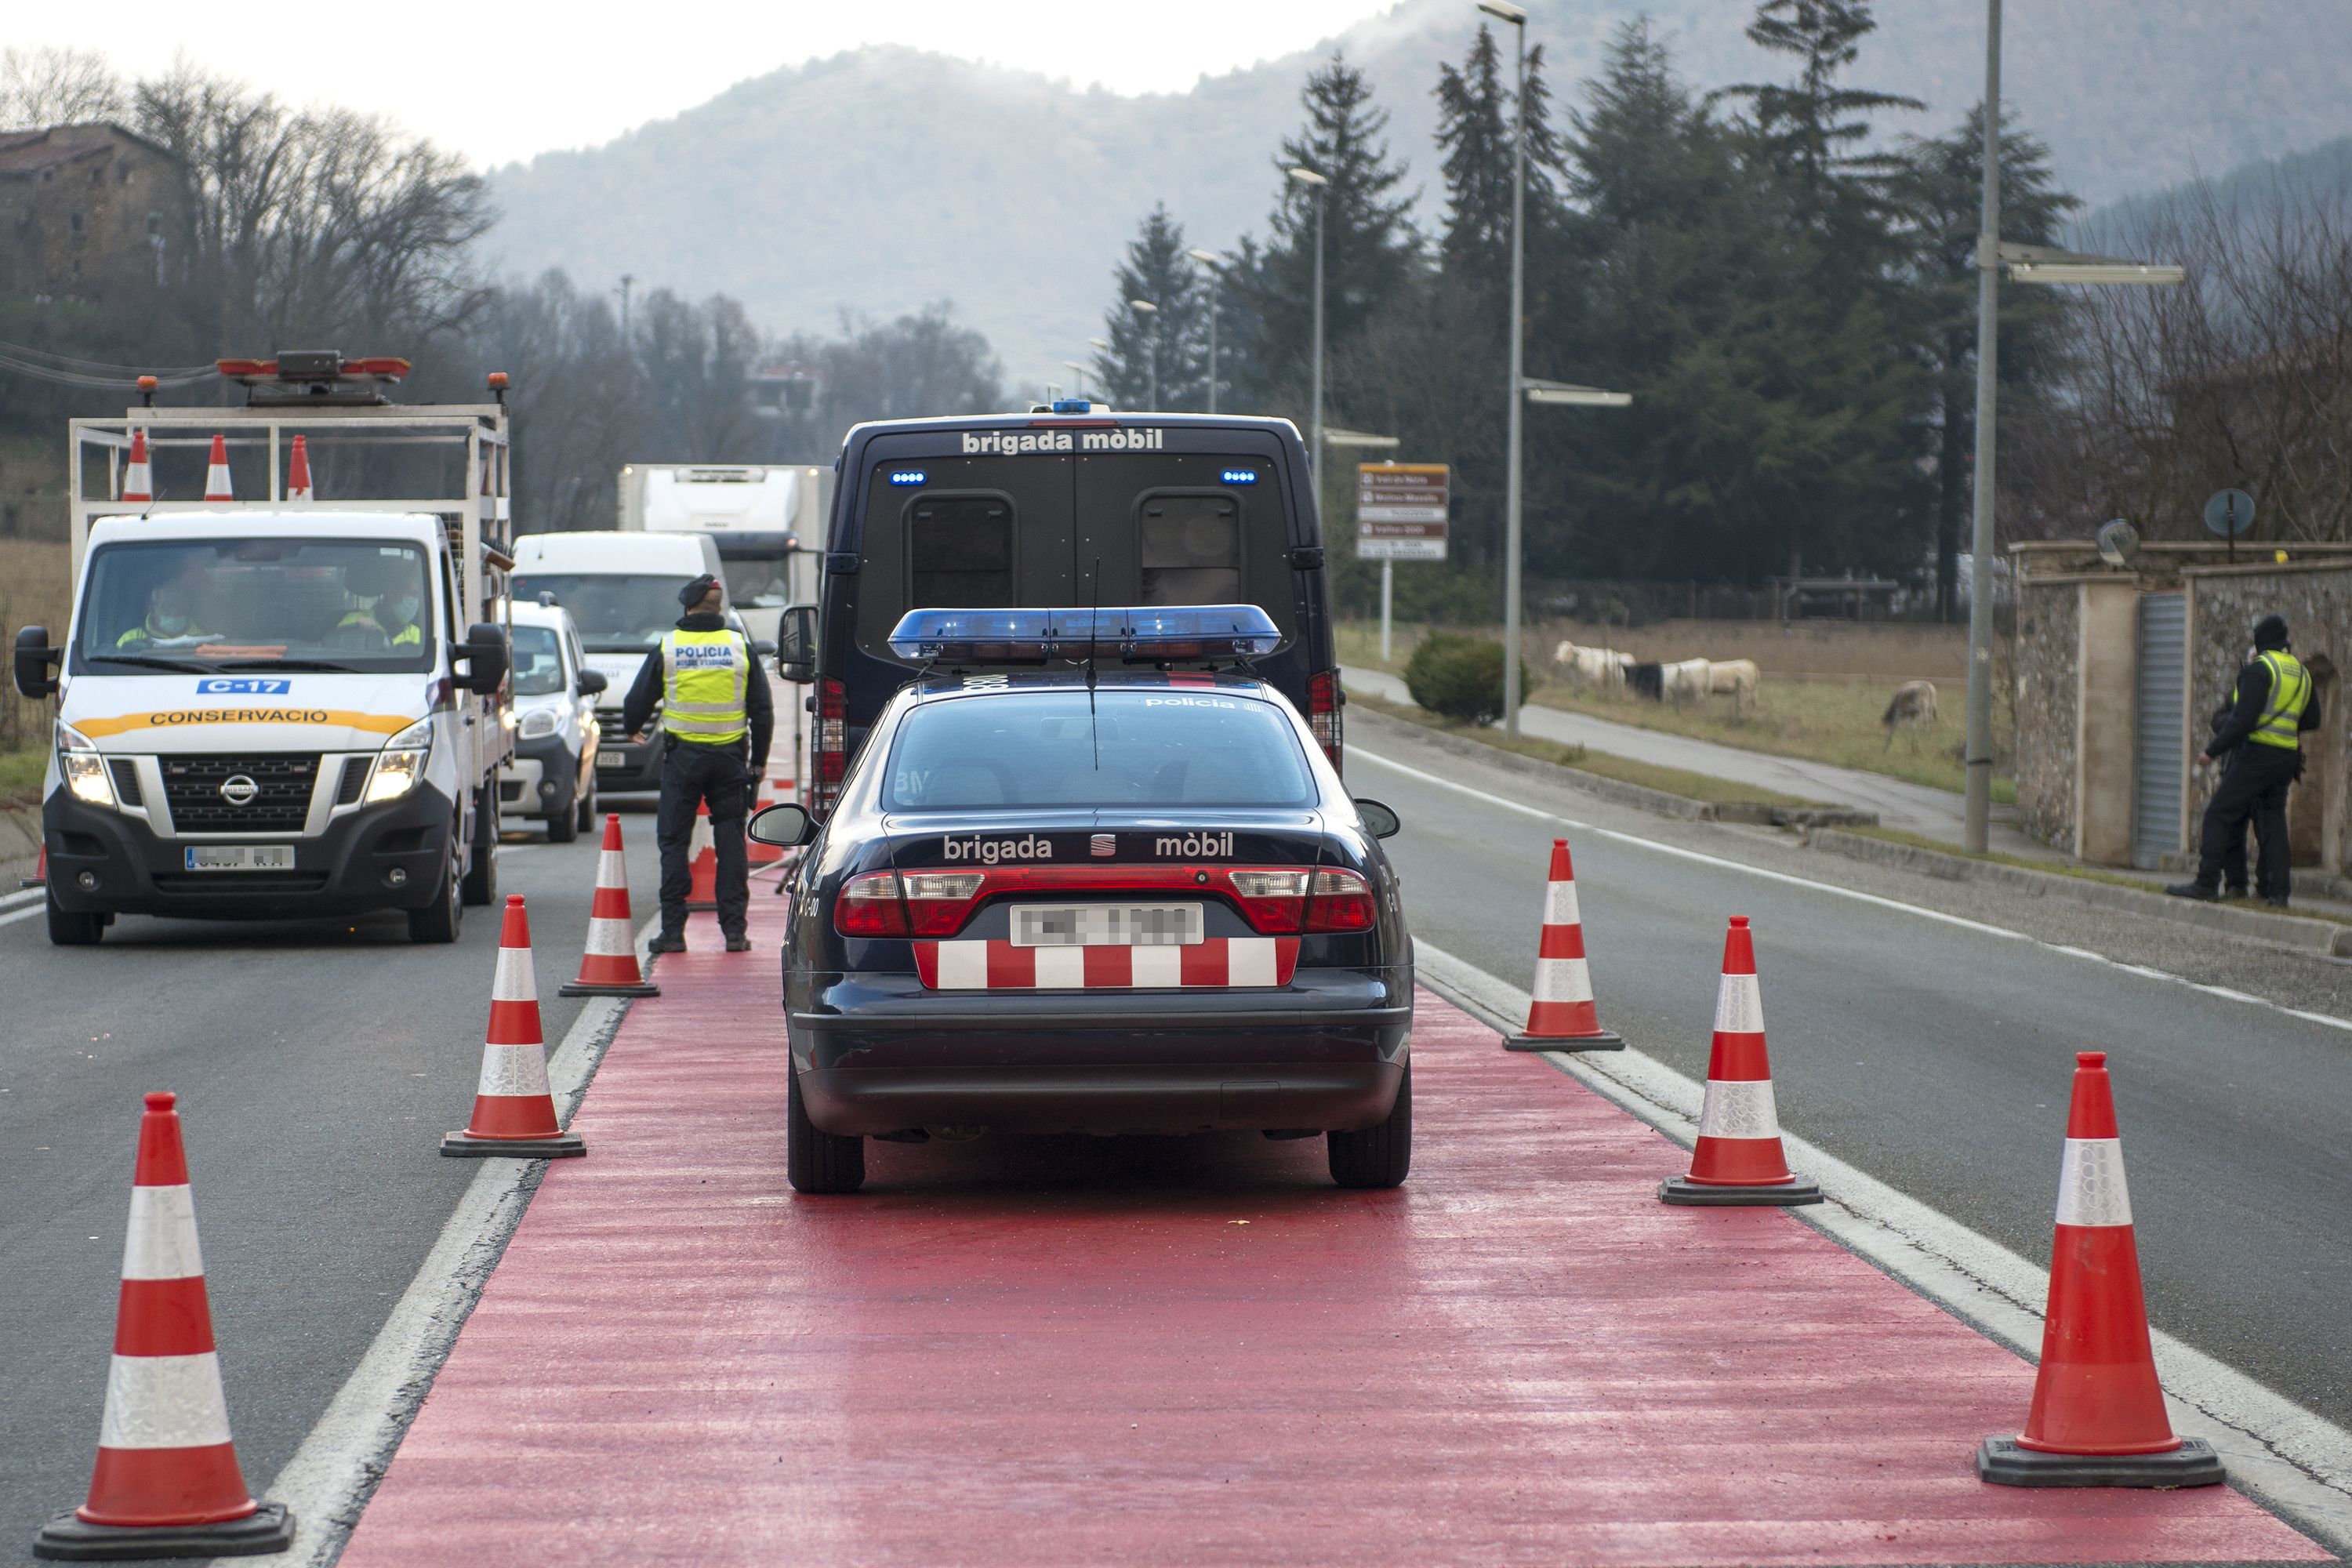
[(40, 876), (298, 473), (609, 967), (138, 475), (703, 851), (216, 485), (1563, 1017), (167, 1482), (1738, 1158), (514, 1111), (2097, 1417)]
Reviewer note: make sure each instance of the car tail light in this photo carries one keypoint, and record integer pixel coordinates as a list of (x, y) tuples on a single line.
[(920, 903), (1341, 901), (1323, 712), (831, 744), (937, 902), (871, 905), (1272, 900)]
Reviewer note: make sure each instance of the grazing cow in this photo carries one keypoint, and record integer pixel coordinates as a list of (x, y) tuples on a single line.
[(1739, 677), (1912, 710), (1599, 667), (1685, 682)]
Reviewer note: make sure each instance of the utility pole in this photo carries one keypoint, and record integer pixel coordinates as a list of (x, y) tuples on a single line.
[(1513, 532), (1216, 266), (1978, 801), (1147, 309), (1317, 183), (625, 280)]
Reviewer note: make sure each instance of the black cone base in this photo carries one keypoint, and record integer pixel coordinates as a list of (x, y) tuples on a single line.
[(693, 909), (68, 1539), (562, 1146), (2193, 1464), (1682, 1190), (582, 988), (1600, 1042)]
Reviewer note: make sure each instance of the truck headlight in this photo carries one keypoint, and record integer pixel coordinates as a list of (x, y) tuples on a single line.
[(82, 768), (402, 763), (538, 723)]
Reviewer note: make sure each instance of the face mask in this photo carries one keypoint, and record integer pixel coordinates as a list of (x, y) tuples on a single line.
[(404, 609), (171, 625)]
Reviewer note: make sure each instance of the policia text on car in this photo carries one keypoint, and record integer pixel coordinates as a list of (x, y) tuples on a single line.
[(2269, 707), (716, 716)]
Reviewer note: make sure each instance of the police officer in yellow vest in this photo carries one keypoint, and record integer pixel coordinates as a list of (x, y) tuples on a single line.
[(2270, 708), (716, 716)]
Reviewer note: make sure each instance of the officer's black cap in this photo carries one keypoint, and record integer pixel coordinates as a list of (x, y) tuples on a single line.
[(692, 593), (2271, 632)]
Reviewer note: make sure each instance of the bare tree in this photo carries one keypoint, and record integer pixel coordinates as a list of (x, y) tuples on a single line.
[(47, 85)]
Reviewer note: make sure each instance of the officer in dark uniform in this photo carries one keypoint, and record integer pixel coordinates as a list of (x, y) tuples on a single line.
[(2270, 708), (717, 718)]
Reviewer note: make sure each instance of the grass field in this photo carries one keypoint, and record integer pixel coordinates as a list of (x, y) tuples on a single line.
[(1823, 717), (34, 590)]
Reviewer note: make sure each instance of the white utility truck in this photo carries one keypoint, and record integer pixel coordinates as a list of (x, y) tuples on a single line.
[(756, 513), (280, 706)]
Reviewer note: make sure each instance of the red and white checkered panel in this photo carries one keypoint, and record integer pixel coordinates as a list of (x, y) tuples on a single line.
[(1219, 961)]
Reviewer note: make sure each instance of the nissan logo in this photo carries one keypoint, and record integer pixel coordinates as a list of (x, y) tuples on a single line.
[(238, 789)]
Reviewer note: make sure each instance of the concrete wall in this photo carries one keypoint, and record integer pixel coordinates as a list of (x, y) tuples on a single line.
[(2107, 662), (2048, 648)]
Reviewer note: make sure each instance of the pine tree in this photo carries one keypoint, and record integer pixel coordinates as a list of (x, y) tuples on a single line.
[(1162, 353), (1813, 126)]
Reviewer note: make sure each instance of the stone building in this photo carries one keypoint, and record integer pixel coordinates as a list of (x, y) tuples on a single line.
[(85, 208), (2119, 671)]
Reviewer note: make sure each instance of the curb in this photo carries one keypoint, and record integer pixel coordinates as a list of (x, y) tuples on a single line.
[(1640, 796), (2295, 932)]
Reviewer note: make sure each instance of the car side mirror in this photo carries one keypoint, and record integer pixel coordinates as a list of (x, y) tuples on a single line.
[(784, 827), (1380, 821), (590, 682), (37, 663), (796, 645), (762, 648), (484, 654)]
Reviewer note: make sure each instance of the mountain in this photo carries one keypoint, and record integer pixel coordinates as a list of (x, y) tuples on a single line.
[(879, 180)]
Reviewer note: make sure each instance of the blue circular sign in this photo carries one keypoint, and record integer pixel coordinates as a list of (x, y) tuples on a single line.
[(2229, 514)]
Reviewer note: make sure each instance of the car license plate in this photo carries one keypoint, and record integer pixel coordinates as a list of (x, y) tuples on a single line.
[(238, 857), (1105, 925), (610, 759)]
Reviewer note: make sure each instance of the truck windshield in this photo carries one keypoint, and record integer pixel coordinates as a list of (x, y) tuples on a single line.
[(615, 613), (538, 662), (1136, 748), (360, 605)]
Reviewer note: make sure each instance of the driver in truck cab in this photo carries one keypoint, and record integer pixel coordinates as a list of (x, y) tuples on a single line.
[(170, 615), (391, 615)]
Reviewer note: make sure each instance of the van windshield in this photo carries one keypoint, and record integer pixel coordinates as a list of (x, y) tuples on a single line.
[(257, 603), (615, 613), (1136, 748)]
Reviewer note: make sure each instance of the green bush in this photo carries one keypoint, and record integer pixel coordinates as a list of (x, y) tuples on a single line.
[(1458, 677)]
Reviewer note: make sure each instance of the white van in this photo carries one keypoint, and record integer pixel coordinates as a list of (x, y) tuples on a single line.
[(552, 777)]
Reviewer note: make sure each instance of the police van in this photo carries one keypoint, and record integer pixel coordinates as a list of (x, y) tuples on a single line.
[(1065, 505)]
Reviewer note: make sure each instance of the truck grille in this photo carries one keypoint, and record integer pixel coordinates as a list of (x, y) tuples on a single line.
[(355, 775), (126, 781), (191, 787)]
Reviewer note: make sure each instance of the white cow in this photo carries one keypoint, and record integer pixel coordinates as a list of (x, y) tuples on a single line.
[(1598, 667), (1685, 682), (1912, 709), (1738, 677)]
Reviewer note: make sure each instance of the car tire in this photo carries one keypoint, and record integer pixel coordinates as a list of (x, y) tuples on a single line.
[(586, 820), (818, 1162), (68, 928), (564, 826), (1382, 1155), (482, 883), (437, 922)]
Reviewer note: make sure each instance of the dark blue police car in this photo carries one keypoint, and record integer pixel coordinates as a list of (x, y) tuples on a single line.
[(1089, 874)]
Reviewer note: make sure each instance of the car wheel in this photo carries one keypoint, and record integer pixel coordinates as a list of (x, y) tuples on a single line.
[(564, 826), (482, 883), (438, 921), (818, 1162), (1379, 1155), (68, 928), (586, 821)]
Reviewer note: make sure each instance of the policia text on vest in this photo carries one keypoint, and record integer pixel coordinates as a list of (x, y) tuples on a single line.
[(2261, 734), (716, 716)]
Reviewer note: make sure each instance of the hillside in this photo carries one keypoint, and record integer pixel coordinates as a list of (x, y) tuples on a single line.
[(875, 181)]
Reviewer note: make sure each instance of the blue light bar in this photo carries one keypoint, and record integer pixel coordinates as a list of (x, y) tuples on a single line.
[(1074, 406), (909, 477), (1240, 476), (1133, 634)]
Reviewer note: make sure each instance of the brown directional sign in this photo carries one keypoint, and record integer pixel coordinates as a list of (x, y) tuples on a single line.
[(1401, 511)]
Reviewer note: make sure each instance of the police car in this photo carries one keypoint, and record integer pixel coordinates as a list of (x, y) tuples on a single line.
[(1089, 874)]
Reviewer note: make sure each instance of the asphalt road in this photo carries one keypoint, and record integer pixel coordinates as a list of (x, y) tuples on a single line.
[(1938, 1059), (318, 1065)]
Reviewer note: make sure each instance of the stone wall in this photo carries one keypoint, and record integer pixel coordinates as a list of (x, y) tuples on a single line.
[(2048, 644)]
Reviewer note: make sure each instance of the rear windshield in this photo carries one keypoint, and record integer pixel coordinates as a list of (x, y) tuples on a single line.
[(538, 663), (1155, 748)]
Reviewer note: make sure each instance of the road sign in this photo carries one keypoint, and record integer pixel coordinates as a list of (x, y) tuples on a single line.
[(2229, 513), (1401, 511)]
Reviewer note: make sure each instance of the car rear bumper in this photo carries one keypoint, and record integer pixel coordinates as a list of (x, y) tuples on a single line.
[(1323, 1054)]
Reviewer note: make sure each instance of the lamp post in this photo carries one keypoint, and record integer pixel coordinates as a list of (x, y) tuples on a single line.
[(1512, 531), (1216, 266), (1318, 184), (1077, 374), (1146, 308)]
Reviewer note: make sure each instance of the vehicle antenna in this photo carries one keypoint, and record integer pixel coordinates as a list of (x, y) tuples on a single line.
[(1094, 617)]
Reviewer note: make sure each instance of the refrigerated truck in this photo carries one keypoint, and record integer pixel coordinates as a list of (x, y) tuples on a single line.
[(278, 706), (755, 512)]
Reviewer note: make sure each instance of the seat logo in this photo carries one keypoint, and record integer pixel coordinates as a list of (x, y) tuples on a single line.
[(1104, 845), (238, 789)]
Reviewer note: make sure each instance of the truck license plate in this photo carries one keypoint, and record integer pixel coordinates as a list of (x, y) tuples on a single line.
[(1105, 925), (610, 759), (238, 857)]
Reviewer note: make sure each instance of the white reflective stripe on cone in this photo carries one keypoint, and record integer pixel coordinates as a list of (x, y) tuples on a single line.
[(610, 939), (513, 1070), (1560, 904), (514, 982), (2091, 1189), (1157, 965), (612, 870), (164, 1402), (1249, 961), (1736, 1108), (162, 1241), (1738, 1006), (1562, 980), (1061, 968), (963, 966)]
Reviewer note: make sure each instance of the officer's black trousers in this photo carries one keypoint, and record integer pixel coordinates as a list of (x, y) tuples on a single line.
[(2253, 789), (692, 774)]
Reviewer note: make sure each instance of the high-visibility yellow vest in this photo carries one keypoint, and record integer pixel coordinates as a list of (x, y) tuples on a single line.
[(703, 677), (408, 637), (411, 635), (2290, 695)]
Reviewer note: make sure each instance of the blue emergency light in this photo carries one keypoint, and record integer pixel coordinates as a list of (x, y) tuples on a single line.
[(1074, 406), (1240, 476), (907, 477), (1131, 634)]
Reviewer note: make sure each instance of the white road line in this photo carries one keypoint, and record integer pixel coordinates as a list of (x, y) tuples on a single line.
[(1979, 927), (2294, 1461), (330, 1478), (19, 900), (13, 916)]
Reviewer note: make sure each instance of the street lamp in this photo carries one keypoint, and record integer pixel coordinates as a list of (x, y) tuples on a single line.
[(1518, 21), (1146, 308), (1216, 266), (1318, 184), (1077, 376), (2027, 264)]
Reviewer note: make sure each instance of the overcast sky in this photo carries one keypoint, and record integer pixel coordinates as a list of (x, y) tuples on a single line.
[(504, 81)]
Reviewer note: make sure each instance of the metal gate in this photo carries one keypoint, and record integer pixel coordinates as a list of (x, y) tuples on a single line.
[(2159, 770)]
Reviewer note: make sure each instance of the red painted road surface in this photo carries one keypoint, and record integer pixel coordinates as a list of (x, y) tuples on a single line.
[(1197, 1351)]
